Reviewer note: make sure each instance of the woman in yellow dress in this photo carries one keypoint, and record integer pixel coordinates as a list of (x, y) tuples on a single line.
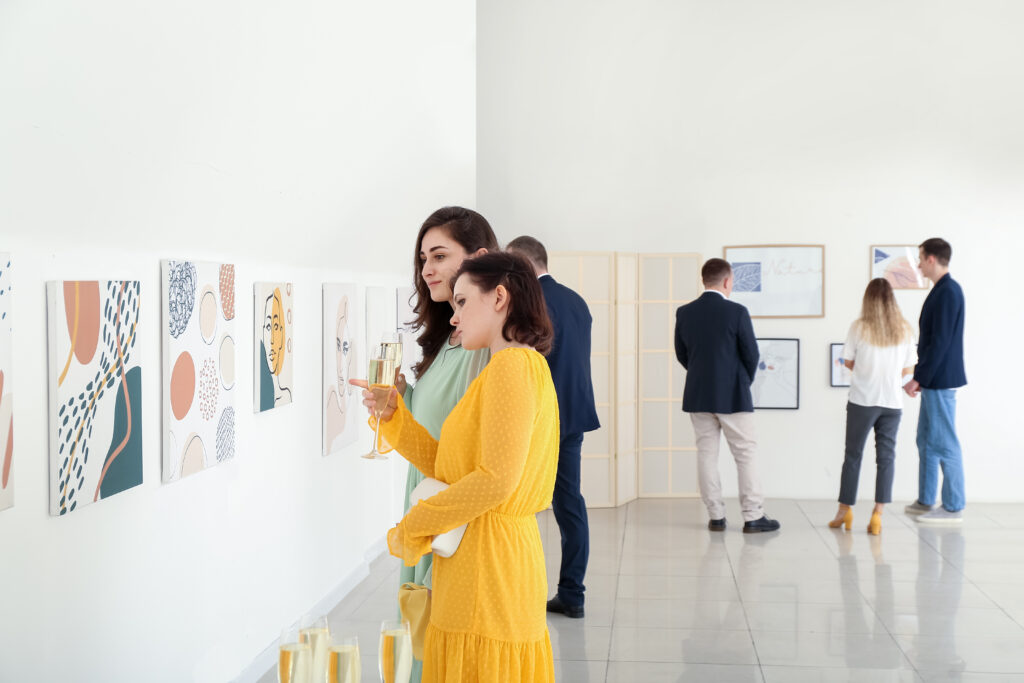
[(499, 452)]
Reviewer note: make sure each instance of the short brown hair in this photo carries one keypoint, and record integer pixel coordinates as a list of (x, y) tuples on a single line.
[(527, 321), (714, 271), (939, 248), (530, 248)]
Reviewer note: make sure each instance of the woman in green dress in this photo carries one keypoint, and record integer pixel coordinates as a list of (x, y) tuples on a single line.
[(447, 237)]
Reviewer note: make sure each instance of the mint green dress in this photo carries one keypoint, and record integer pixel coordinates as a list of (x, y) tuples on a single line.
[(430, 401)]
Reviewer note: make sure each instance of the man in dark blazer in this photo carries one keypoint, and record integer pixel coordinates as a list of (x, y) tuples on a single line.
[(937, 376), (569, 361), (715, 343)]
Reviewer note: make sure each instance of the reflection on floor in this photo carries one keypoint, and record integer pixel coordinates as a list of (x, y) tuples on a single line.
[(668, 600)]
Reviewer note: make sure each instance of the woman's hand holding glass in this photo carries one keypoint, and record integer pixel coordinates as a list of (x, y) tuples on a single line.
[(370, 400)]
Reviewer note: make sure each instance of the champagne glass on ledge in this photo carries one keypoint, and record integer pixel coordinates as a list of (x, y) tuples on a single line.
[(395, 655), (343, 665), (315, 633), (380, 377), (294, 659)]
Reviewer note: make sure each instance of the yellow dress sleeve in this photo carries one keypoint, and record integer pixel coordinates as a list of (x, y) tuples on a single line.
[(403, 433), (507, 408)]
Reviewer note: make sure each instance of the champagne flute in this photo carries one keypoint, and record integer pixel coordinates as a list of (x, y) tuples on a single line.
[(380, 377), (343, 665), (391, 347), (395, 655), (315, 632), (294, 658)]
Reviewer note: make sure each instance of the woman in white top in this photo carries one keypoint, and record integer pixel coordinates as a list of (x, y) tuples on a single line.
[(881, 353)]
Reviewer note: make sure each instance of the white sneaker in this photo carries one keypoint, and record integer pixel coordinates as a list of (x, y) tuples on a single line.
[(940, 515), (917, 508)]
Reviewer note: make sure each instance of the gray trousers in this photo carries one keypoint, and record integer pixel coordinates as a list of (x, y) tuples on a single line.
[(859, 422)]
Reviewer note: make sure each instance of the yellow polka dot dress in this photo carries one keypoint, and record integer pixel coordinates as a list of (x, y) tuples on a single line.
[(499, 453)]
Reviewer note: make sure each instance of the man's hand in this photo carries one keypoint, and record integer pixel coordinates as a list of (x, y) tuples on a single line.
[(912, 388)]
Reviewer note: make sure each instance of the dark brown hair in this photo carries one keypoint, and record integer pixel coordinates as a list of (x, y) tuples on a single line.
[(530, 248), (714, 271), (939, 248), (472, 232), (527, 321)]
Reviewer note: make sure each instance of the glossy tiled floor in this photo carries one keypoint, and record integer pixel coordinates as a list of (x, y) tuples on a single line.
[(667, 600)]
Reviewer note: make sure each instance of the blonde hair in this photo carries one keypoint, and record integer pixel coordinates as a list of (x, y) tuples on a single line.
[(881, 322)]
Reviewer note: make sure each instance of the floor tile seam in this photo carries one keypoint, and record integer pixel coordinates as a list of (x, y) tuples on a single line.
[(746, 617), (618, 575)]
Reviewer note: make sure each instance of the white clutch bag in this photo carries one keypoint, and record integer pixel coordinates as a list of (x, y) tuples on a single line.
[(444, 545)]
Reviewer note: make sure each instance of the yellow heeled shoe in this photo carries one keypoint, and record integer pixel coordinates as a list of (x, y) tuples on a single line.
[(875, 525), (846, 520)]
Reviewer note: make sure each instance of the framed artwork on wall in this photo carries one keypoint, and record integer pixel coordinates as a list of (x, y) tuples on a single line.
[(898, 263), (95, 391), (342, 341), (779, 281), (198, 366), (6, 387), (838, 372), (272, 377), (777, 380)]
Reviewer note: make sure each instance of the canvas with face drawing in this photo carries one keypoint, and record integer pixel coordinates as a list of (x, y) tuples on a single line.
[(342, 332), (6, 387), (272, 316), (95, 391), (198, 366)]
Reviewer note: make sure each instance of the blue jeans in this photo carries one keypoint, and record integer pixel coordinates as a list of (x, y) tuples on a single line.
[(938, 448)]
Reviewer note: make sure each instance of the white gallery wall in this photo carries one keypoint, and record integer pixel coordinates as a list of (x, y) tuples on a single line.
[(663, 127), (303, 142)]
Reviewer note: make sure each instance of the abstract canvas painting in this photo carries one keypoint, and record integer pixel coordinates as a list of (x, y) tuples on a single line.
[(899, 265), (777, 380), (6, 387), (272, 316), (198, 366), (342, 332), (95, 391)]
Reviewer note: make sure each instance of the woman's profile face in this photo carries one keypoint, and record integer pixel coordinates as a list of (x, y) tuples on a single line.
[(273, 332), (476, 316), (343, 345), (440, 258)]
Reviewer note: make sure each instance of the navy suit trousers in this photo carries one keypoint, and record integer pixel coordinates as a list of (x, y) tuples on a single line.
[(571, 514)]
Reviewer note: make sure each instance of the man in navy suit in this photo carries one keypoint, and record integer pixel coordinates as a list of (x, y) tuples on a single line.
[(715, 343), (569, 361), (937, 376)]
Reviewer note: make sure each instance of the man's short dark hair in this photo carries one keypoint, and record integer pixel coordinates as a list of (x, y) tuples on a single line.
[(939, 248), (714, 271), (530, 248)]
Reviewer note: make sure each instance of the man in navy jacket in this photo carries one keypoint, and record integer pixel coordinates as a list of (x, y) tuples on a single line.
[(715, 342), (569, 361), (939, 373)]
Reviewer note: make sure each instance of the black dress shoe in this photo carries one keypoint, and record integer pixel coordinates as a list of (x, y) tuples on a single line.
[(759, 525), (556, 605), (717, 524)]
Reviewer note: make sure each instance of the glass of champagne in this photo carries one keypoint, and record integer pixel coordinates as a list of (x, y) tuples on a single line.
[(395, 656), (380, 377), (294, 659), (391, 347), (313, 631), (343, 665)]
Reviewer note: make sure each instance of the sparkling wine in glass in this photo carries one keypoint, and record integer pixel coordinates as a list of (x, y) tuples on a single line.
[(395, 656), (343, 665), (391, 347), (315, 633), (380, 377), (294, 659)]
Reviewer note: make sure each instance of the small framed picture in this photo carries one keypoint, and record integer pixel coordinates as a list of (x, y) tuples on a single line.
[(898, 263), (839, 373), (777, 380)]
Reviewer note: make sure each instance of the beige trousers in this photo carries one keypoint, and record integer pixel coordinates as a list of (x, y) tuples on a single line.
[(739, 434)]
